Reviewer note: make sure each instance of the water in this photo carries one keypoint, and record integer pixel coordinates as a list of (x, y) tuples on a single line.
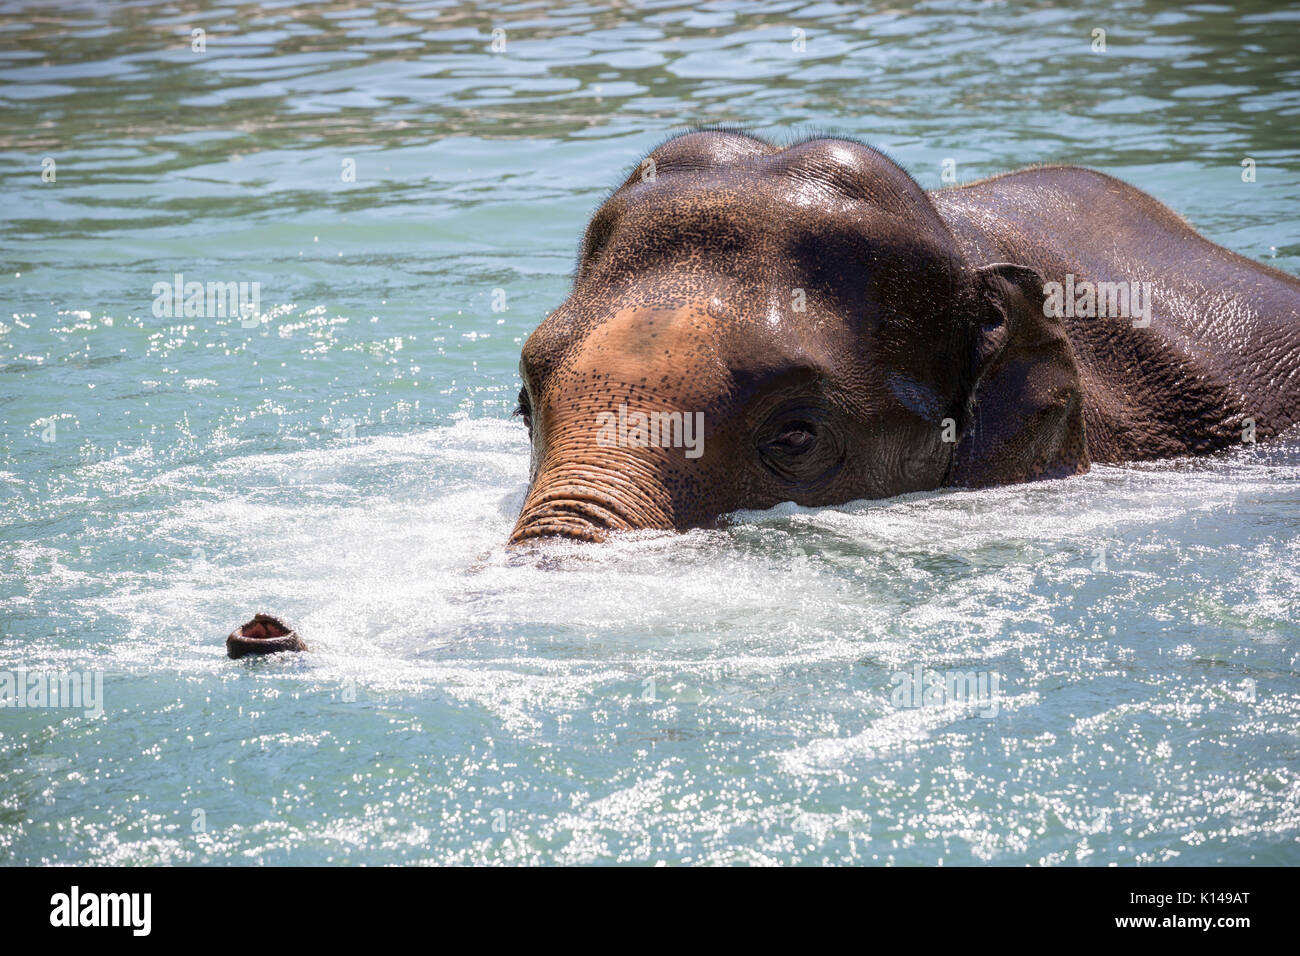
[(715, 697)]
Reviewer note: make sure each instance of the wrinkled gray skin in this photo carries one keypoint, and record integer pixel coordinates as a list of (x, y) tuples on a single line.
[(848, 336)]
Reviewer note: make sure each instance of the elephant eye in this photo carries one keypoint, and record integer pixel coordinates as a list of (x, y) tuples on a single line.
[(796, 438), (524, 410), (802, 447)]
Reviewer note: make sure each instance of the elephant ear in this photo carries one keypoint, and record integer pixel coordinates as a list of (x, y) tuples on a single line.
[(1026, 419)]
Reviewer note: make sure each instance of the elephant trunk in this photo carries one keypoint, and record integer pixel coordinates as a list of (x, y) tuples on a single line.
[(586, 493)]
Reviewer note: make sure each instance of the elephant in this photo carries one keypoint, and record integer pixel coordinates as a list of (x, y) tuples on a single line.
[(752, 324)]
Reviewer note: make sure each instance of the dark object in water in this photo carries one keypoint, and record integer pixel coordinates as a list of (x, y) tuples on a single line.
[(264, 634)]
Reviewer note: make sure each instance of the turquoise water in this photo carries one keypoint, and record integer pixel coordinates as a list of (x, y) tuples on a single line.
[(349, 460)]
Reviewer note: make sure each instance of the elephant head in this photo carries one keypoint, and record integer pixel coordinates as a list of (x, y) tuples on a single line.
[(751, 325)]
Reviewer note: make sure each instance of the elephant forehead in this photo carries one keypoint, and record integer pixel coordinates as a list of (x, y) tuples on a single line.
[(673, 349), (827, 164), (753, 203), (769, 236), (698, 352), (774, 188)]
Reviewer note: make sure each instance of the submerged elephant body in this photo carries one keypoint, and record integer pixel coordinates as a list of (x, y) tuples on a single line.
[(1215, 361), (751, 325)]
